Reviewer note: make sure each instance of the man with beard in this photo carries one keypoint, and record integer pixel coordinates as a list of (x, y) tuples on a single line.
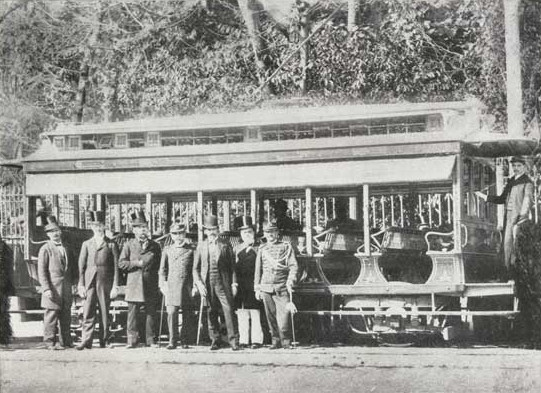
[(248, 312), (140, 258), (57, 272), (176, 283), (98, 280), (214, 276)]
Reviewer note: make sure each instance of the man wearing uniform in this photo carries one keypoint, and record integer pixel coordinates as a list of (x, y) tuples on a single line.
[(518, 198), (57, 271), (214, 276), (275, 274), (245, 301), (98, 280), (176, 283), (140, 258)]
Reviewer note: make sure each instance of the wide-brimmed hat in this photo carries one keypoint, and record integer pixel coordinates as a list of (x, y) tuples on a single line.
[(52, 224), (244, 222), (210, 222), (96, 216), (520, 159), (270, 226), (138, 219)]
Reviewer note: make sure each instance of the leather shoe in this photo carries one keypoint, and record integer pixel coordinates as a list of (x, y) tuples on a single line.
[(214, 347), (82, 346), (57, 347), (185, 346), (235, 347), (170, 346), (131, 346), (154, 345), (275, 346), (255, 346)]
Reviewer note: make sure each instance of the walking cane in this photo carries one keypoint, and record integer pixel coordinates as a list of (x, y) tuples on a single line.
[(161, 322), (292, 310), (200, 320)]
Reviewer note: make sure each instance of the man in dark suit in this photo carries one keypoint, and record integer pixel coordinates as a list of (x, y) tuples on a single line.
[(98, 280), (57, 272), (176, 283), (518, 198), (140, 258), (214, 276)]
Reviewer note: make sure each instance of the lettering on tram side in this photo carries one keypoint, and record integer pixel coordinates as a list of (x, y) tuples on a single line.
[(89, 164)]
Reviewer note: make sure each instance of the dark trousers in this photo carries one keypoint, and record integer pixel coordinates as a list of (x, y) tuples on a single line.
[(96, 295), (52, 319), (218, 297), (278, 316), (172, 324), (134, 309)]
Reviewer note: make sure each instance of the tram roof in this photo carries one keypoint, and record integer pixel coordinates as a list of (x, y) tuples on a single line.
[(265, 116)]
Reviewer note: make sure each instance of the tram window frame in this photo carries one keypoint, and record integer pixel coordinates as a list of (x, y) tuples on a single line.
[(121, 141), (73, 146), (59, 142)]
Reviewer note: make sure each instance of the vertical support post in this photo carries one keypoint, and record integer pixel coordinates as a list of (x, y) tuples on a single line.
[(214, 205), (513, 68), (457, 204), (169, 213), (366, 218), (308, 214), (499, 190), (353, 213), (100, 202), (200, 216), (253, 209), (56, 208), (226, 211), (76, 212), (118, 217), (29, 223), (150, 213)]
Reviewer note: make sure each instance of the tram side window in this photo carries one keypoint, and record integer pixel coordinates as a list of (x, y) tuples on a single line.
[(287, 212), (228, 211), (478, 176)]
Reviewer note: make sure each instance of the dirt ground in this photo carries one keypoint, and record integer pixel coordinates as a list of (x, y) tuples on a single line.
[(25, 367)]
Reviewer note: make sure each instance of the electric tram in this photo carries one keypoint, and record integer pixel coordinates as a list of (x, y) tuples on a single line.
[(379, 199)]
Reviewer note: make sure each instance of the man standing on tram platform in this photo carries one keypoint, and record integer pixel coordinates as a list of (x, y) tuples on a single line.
[(140, 258), (214, 276), (98, 280), (176, 283), (57, 272), (275, 274), (518, 198)]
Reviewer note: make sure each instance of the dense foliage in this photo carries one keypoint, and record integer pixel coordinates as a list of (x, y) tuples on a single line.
[(99, 60)]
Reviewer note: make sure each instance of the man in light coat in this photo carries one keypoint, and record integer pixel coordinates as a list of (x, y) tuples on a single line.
[(176, 283), (98, 280), (214, 276), (57, 273), (140, 258)]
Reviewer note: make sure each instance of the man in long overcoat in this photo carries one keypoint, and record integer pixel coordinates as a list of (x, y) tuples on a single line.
[(176, 283), (518, 198), (98, 280), (57, 273), (140, 258), (214, 276)]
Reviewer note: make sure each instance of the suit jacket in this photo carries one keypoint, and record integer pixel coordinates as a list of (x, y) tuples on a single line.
[(245, 271), (518, 198), (142, 282), (176, 269), (226, 260), (99, 263), (56, 276)]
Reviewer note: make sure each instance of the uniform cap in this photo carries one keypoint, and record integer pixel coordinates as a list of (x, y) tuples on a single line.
[(138, 219), (52, 224)]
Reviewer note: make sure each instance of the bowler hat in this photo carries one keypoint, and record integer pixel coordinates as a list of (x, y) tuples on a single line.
[(96, 217), (52, 225), (210, 222), (270, 226), (245, 222), (518, 159), (138, 219)]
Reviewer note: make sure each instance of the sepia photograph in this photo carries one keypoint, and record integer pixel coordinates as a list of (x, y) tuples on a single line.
[(270, 196)]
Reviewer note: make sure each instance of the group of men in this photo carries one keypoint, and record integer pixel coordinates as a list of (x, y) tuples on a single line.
[(230, 283)]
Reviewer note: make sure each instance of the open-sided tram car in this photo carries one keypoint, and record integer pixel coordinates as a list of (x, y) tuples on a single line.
[(422, 252)]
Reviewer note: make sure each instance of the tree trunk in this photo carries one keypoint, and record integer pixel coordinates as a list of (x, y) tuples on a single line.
[(250, 12), (304, 52), (84, 68), (352, 14)]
